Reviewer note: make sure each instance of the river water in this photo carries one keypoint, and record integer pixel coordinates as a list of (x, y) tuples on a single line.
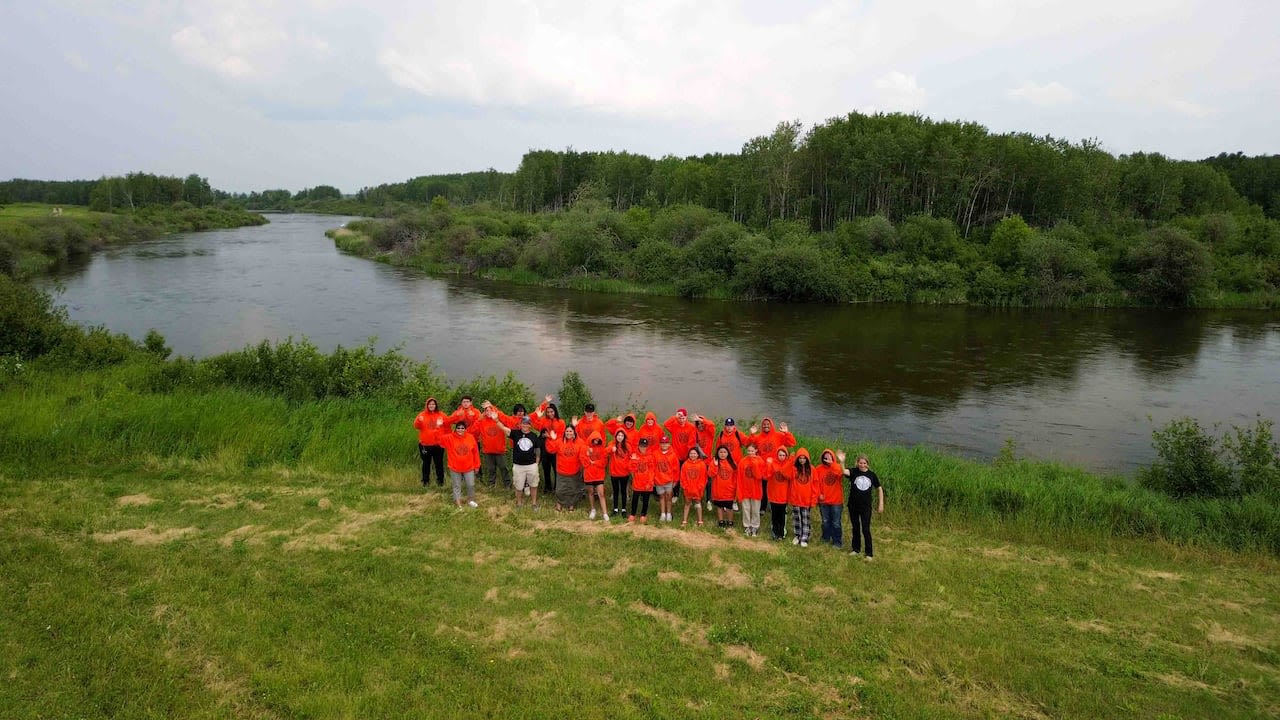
[(1080, 386)]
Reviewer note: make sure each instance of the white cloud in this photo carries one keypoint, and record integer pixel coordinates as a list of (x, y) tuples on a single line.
[(76, 61), (192, 45), (1053, 94), (899, 92), (1189, 108)]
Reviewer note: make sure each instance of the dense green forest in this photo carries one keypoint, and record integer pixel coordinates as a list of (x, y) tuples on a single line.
[(45, 224)]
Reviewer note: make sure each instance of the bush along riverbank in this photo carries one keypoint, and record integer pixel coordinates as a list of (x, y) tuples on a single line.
[(36, 239), (74, 396), (1227, 260)]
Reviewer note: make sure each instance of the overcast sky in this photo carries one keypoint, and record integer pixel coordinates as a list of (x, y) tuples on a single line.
[(266, 94)]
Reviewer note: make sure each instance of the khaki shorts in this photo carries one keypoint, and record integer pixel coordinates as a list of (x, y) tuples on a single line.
[(523, 476)]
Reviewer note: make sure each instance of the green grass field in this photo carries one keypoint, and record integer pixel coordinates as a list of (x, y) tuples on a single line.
[(175, 589)]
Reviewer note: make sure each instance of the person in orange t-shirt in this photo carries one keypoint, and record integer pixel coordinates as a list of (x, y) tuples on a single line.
[(693, 481), (780, 469), (751, 472), (801, 495), (595, 465), (430, 423), (828, 476), (463, 459)]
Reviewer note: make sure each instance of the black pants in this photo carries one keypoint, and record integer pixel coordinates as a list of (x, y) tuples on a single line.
[(764, 495), (860, 519), (432, 455), (640, 495), (779, 518), (619, 492), (547, 463)]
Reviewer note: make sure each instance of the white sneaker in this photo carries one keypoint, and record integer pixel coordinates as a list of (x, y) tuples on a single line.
[(668, 517), (795, 541), (735, 507), (869, 558), (592, 516), (675, 500), (606, 517), (473, 503), (710, 505), (804, 544)]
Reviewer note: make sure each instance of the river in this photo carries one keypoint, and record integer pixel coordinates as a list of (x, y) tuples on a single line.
[(1084, 387)]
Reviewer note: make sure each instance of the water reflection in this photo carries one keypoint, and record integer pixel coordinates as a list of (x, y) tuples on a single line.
[(1076, 385)]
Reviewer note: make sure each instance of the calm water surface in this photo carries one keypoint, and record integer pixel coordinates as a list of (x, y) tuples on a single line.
[(1072, 385)]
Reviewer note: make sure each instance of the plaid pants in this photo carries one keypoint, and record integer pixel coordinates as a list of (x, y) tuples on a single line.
[(800, 523)]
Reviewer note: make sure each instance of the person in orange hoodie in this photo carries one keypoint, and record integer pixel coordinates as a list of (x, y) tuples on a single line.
[(463, 455), (732, 438), (724, 486), (430, 423), (802, 494), (751, 472), (780, 469), (684, 434), (467, 414), (545, 420), (492, 434), (620, 470), (589, 423), (650, 430), (706, 434), (693, 480), (828, 476), (569, 490), (594, 457), (767, 440), (666, 472), (641, 480), (622, 422)]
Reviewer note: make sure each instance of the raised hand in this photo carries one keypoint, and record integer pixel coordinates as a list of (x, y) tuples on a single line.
[(783, 427), (439, 422), (551, 434), (753, 430), (840, 456), (486, 405), (575, 420), (546, 399)]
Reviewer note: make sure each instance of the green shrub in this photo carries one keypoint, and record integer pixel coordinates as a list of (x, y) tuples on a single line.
[(1167, 266), (573, 395), (30, 326), (655, 261)]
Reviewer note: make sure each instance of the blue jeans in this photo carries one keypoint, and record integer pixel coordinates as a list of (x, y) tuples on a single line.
[(832, 524)]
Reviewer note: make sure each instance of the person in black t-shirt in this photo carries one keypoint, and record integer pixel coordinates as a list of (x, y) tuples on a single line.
[(861, 482), (525, 448)]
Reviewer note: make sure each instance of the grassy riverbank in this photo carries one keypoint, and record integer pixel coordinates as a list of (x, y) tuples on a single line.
[(36, 239), (194, 580), (245, 536)]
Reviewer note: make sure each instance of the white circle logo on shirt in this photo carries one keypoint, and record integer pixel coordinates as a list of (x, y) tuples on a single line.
[(862, 482), (525, 444)]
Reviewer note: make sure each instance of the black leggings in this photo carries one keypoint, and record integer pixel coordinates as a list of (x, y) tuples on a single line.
[(547, 463), (860, 518), (779, 518), (619, 491), (432, 455), (640, 495)]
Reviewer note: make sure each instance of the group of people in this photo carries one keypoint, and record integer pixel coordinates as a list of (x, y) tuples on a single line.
[(753, 472)]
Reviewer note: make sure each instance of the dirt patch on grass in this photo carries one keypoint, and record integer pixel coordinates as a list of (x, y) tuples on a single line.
[(669, 576), (225, 501), (696, 539), (1178, 680), (1159, 575), (139, 500), (526, 560), (148, 535), (746, 655), (686, 632), (824, 591), (491, 595), (354, 524), (324, 503), (728, 575), (1092, 625), (484, 557), (621, 566), (721, 670), (1219, 635), (536, 623)]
